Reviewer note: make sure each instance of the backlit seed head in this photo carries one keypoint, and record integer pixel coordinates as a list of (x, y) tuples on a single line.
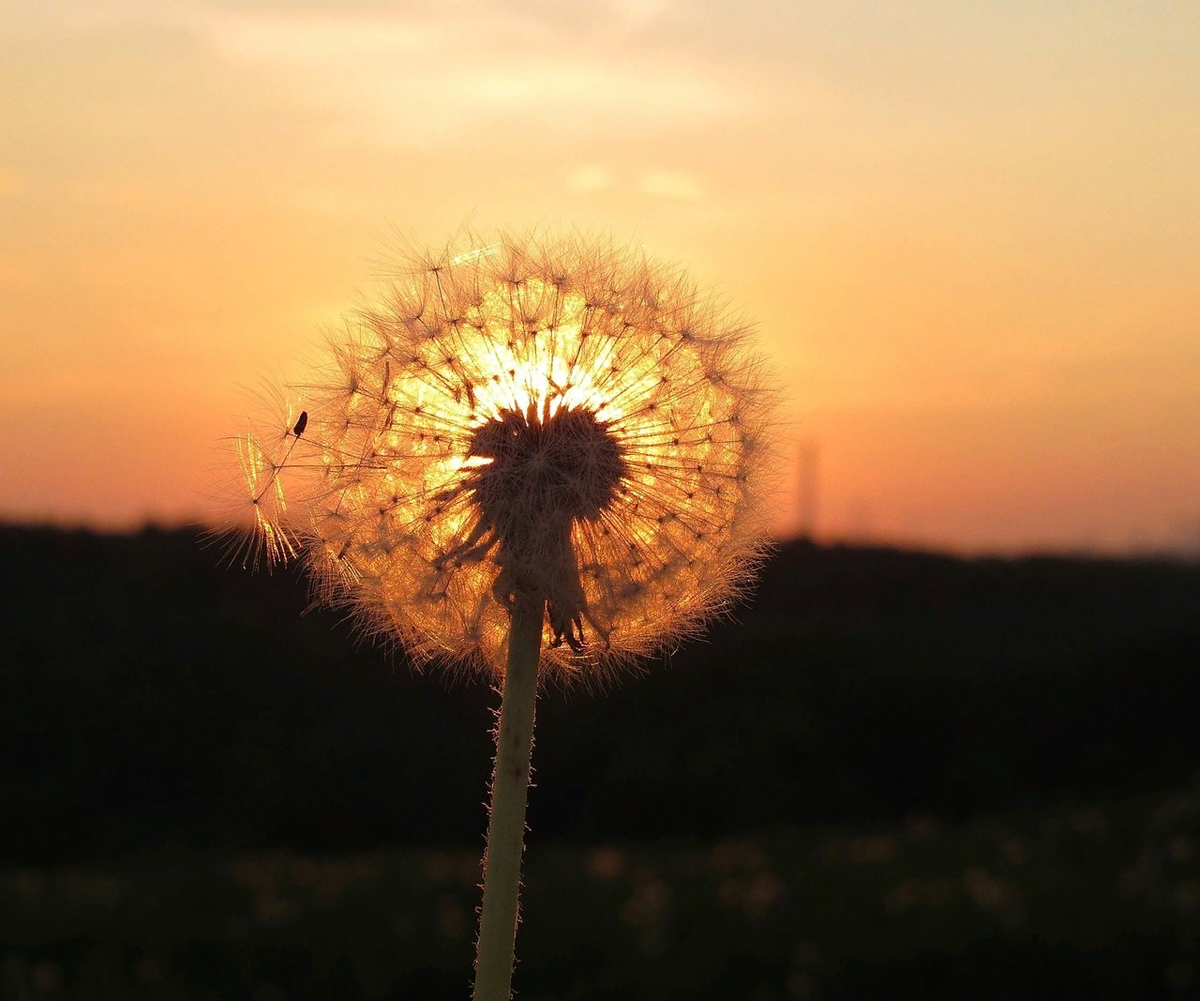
[(561, 418)]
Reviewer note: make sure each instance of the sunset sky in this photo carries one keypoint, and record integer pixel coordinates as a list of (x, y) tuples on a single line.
[(969, 232)]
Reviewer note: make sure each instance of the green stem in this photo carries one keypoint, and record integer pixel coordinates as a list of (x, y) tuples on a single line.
[(510, 784)]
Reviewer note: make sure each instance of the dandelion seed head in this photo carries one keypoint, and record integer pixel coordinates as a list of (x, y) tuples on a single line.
[(563, 418)]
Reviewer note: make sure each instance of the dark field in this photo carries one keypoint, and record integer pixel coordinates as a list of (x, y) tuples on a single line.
[(899, 775)]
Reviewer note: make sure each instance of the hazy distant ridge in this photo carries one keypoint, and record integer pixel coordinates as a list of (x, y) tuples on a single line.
[(153, 699)]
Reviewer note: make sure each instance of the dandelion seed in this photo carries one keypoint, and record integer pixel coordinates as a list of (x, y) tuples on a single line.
[(539, 457), (581, 403)]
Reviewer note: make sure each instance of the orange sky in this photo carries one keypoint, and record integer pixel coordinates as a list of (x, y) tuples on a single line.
[(970, 232)]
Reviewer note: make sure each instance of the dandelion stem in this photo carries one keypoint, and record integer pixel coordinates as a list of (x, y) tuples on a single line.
[(510, 785)]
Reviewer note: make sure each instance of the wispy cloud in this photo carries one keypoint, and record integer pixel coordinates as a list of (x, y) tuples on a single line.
[(447, 73), (676, 184), (590, 177)]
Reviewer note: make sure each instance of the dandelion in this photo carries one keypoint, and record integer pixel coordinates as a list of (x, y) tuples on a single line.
[(543, 458)]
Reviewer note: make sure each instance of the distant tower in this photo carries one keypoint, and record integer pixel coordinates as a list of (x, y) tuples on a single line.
[(808, 488)]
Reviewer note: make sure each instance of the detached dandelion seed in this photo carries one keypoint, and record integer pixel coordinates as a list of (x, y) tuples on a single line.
[(543, 458)]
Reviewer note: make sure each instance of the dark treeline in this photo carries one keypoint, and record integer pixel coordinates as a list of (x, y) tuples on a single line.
[(154, 702)]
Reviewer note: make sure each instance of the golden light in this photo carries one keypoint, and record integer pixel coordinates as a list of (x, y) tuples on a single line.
[(565, 419)]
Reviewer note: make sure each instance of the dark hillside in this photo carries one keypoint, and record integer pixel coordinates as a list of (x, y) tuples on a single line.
[(154, 702)]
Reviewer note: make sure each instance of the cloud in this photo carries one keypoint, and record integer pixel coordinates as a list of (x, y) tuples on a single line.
[(591, 177), (439, 75), (671, 184)]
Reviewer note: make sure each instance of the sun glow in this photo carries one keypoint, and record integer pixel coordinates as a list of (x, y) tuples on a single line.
[(573, 423), (560, 366)]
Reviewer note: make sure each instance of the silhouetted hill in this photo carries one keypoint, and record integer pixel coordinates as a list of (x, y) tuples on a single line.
[(153, 701)]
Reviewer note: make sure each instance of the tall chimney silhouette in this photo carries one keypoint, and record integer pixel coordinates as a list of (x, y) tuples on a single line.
[(808, 488)]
